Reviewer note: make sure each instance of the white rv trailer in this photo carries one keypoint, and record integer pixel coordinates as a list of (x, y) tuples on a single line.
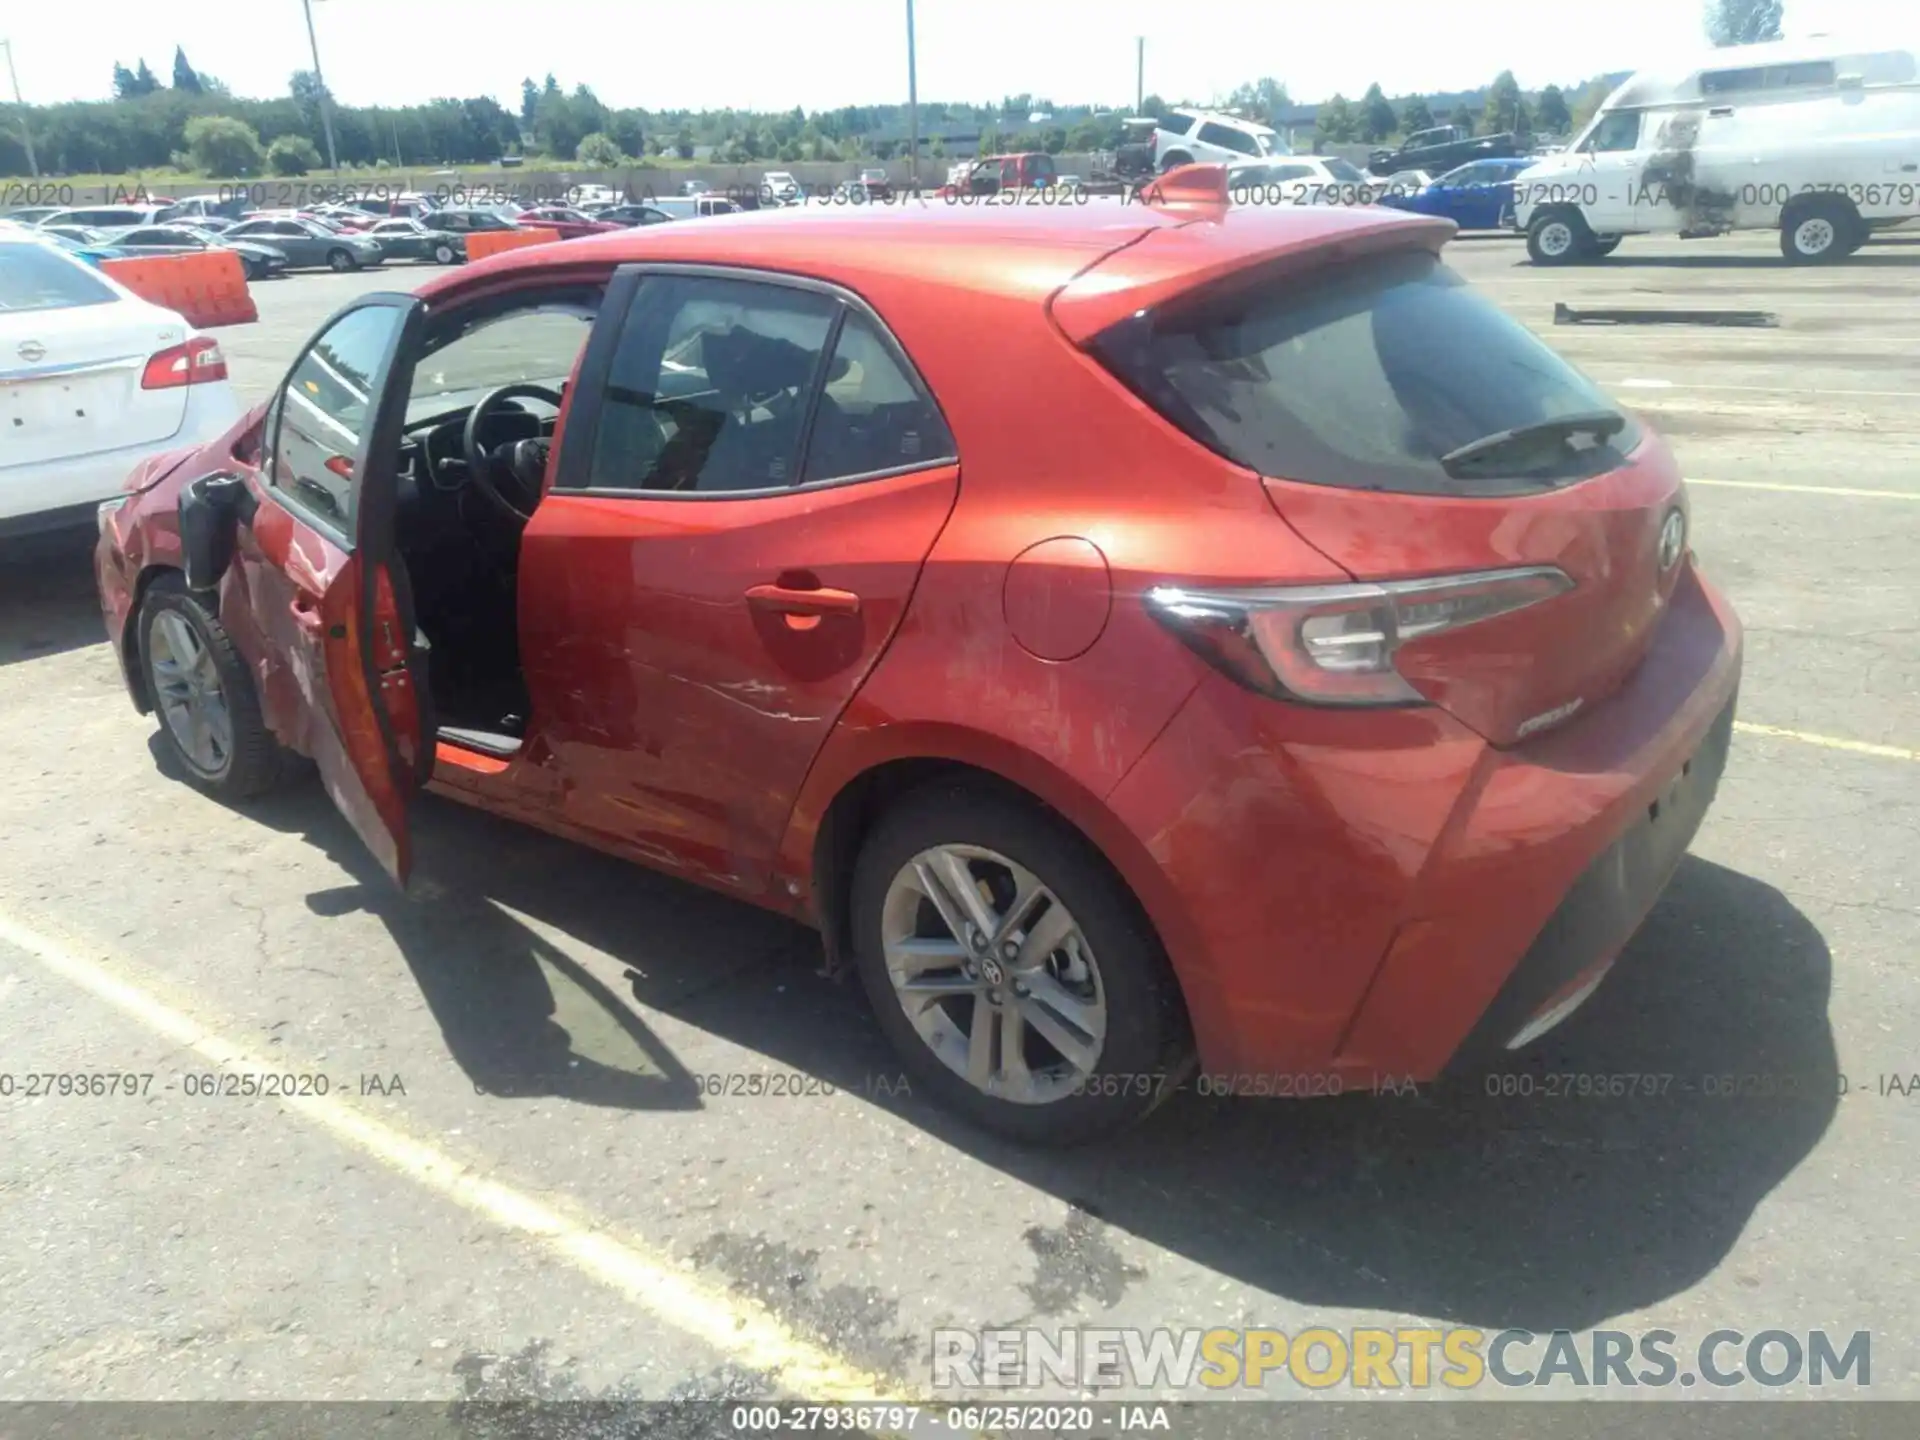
[(1817, 139)]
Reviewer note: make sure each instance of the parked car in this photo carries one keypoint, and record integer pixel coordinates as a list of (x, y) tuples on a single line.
[(1073, 793), (258, 259), (210, 224), (31, 214), (997, 174), (106, 217), (94, 381), (1475, 196), (669, 207), (343, 217), (1403, 182), (1443, 148), (877, 185), (466, 219), (695, 187), (634, 213), (206, 207), (416, 240), (777, 187), (569, 223), (1188, 137), (1300, 180), (89, 245), (408, 206), (308, 243), (1817, 140)]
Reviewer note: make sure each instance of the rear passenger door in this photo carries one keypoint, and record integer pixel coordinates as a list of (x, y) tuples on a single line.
[(750, 479)]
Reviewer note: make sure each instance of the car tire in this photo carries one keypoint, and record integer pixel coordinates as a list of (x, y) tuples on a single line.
[(1173, 160), (1131, 1034), (1820, 232), (444, 254), (1558, 237), (341, 261), (1603, 246), (235, 760)]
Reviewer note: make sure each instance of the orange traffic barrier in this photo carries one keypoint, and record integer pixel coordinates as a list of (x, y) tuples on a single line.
[(482, 243), (207, 289)]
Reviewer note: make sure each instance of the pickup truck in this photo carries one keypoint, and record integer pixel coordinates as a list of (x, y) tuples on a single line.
[(1441, 149)]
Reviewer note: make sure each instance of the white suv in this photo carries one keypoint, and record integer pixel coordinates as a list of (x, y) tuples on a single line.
[(1187, 137)]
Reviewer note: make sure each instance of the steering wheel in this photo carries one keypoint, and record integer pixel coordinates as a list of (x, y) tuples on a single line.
[(524, 461)]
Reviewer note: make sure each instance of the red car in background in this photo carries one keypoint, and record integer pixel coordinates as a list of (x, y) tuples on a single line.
[(570, 223), (1135, 637)]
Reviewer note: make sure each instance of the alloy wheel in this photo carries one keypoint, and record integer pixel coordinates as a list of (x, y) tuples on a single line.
[(188, 692), (1556, 238), (994, 974)]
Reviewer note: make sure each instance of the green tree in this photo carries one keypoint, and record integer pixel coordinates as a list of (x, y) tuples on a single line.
[(1377, 120), (1462, 118), (293, 155), (939, 150), (224, 148), (599, 150), (529, 103), (145, 82), (1156, 107), (683, 143), (184, 76), (1414, 115), (1743, 22), (1588, 104), (1338, 122), (1503, 103), (1551, 111), (123, 82), (1265, 100)]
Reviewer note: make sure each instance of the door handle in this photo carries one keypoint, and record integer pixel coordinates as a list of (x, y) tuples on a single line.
[(784, 600)]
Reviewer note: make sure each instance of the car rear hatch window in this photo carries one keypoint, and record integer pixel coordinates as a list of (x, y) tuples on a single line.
[(35, 277), (1414, 434), (1368, 376)]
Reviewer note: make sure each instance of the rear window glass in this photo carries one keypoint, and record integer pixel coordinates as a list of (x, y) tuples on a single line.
[(1363, 377), (38, 277), (1345, 173)]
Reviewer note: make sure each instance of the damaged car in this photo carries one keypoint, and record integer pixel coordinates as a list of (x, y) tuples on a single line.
[(1136, 638)]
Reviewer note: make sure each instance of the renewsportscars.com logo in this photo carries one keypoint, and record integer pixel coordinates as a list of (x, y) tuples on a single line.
[(1321, 1358)]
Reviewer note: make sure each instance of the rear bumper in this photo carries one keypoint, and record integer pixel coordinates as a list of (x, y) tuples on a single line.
[(1377, 894), (35, 489)]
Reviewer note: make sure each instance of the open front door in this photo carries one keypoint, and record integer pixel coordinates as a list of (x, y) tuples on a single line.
[(318, 579)]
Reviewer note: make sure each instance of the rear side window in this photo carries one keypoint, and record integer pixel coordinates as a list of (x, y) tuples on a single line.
[(872, 416), (38, 277), (1228, 139), (1363, 377)]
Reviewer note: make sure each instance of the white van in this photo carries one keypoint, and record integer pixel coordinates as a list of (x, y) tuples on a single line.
[(1818, 139)]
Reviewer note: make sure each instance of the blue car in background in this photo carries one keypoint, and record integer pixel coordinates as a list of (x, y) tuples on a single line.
[(1475, 196)]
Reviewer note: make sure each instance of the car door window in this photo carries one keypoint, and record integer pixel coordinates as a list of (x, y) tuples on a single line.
[(323, 412), (1228, 139), (709, 386), (873, 417), (1619, 131)]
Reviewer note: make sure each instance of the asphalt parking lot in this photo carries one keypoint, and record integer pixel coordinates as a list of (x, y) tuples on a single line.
[(515, 1186)]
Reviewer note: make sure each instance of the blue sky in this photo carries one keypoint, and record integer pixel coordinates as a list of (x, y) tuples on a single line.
[(764, 54)]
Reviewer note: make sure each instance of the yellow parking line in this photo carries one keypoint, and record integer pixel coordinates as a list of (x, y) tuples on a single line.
[(739, 1328), (1809, 489), (1856, 747)]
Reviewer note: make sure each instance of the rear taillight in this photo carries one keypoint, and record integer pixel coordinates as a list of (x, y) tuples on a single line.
[(194, 363), (1335, 644)]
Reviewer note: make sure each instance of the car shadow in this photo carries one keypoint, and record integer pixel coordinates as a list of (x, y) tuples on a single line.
[(1528, 1197), (48, 602)]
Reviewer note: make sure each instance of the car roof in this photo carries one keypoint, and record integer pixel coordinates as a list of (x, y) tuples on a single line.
[(1015, 252)]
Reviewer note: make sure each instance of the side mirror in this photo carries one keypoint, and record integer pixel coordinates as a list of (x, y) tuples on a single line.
[(210, 509)]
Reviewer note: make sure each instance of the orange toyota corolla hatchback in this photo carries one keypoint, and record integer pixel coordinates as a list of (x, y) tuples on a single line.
[(1135, 635)]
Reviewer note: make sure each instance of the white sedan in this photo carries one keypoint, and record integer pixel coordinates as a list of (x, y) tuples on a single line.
[(93, 380)]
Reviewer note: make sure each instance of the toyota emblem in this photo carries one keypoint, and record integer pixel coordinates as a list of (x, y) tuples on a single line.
[(32, 351), (1673, 539)]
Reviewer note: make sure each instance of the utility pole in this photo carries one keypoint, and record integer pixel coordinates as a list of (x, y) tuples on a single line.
[(326, 109), (913, 103), (26, 125), (1139, 74)]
